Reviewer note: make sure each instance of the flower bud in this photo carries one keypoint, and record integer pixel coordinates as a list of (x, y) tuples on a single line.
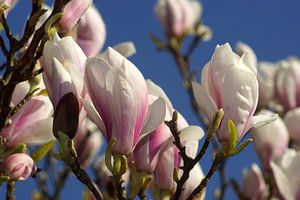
[(119, 93), (73, 11), (18, 167), (229, 82), (170, 160), (153, 143), (178, 16), (91, 32), (254, 186), (271, 140), (292, 119), (66, 116), (287, 83), (63, 62)]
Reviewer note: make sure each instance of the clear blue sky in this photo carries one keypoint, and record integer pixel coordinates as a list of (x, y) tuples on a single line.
[(271, 28)]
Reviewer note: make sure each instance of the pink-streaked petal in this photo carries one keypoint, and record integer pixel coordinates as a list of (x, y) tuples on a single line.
[(72, 13), (39, 132), (91, 32)]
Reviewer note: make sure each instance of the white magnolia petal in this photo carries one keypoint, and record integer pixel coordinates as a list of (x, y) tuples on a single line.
[(94, 116), (191, 133), (157, 113), (157, 91), (247, 60), (126, 49), (282, 181), (248, 55), (20, 92), (222, 60), (204, 100), (261, 120), (61, 83)]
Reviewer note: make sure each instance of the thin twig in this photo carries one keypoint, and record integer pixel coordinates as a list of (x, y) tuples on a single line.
[(60, 183), (10, 188), (199, 189)]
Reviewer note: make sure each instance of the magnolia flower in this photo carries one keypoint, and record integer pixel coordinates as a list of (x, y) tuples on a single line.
[(119, 93), (271, 140), (87, 142), (32, 123), (91, 32), (254, 186), (170, 159), (148, 151), (18, 167), (229, 82), (73, 11), (178, 16), (265, 77), (63, 63), (287, 83), (292, 119), (286, 174)]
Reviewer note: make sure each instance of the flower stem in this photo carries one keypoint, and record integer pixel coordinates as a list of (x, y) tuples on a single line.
[(10, 188), (220, 157)]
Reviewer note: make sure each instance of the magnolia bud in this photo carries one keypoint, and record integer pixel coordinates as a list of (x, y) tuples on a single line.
[(18, 167)]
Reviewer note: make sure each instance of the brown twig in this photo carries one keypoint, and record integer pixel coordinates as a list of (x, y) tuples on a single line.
[(219, 158), (10, 188)]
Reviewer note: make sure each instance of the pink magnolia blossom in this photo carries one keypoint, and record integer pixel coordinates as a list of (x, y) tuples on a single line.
[(32, 123), (271, 140), (73, 11), (254, 186), (148, 151), (287, 83), (229, 82), (286, 174), (170, 159), (63, 62), (178, 16), (91, 32), (18, 167), (120, 96), (292, 119)]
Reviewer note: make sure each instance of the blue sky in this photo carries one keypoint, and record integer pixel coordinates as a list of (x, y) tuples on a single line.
[(271, 28)]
